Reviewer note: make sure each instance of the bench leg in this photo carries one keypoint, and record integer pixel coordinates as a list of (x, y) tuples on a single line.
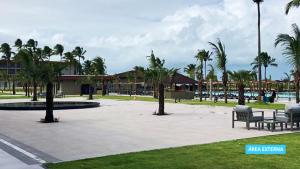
[(281, 126)]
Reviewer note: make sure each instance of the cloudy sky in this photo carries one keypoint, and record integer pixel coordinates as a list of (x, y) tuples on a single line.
[(125, 31)]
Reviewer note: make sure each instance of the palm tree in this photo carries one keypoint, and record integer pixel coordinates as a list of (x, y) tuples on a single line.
[(200, 57), (266, 61), (160, 76), (130, 79), (7, 52), (291, 50), (220, 53), (35, 54), (79, 52), (99, 66), (87, 67), (59, 50), (241, 77), (258, 2), (212, 73), (138, 70), (70, 59), (47, 52), (190, 70), (290, 5), (154, 62), (206, 58)]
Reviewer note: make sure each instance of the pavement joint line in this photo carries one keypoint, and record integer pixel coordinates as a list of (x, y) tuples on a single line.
[(23, 151)]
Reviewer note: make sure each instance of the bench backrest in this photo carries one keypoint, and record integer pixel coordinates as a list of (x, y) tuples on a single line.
[(243, 112)]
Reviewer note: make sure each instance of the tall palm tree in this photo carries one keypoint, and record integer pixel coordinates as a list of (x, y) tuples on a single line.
[(241, 77), (190, 70), (199, 73), (59, 50), (290, 5), (221, 58), (206, 58), (79, 52), (291, 50), (266, 61), (258, 2)]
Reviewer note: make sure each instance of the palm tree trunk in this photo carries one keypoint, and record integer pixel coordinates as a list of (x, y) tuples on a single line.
[(225, 80), (49, 118), (91, 92), (266, 77), (200, 82), (241, 94), (34, 98), (14, 87), (259, 52), (161, 104), (297, 87)]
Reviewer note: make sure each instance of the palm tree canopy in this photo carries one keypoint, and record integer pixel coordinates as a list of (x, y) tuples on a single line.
[(5, 49), (69, 57), (265, 59), (212, 73), (47, 51), (59, 49), (190, 70), (157, 71), (79, 52), (155, 62), (87, 67), (219, 51), (291, 46), (18, 43), (241, 76), (98, 64), (290, 5)]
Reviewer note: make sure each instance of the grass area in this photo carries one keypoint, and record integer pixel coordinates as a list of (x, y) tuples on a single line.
[(197, 102), (12, 97), (222, 155)]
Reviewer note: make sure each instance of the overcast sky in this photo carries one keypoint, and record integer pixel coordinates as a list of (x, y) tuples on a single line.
[(125, 31)]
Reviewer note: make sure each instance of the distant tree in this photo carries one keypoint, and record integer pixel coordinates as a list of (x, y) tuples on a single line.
[(266, 61), (79, 52), (212, 73), (87, 67), (241, 77), (71, 61), (138, 70), (221, 58), (290, 5), (291, 50), (59, 50), (190, 70)]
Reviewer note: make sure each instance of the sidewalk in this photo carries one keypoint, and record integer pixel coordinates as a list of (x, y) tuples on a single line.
[(7, 161)]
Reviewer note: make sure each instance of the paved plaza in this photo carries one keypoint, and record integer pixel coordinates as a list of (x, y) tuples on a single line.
[(117, 127)]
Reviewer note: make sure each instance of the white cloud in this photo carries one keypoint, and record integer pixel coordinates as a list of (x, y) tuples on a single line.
[(175, 31)]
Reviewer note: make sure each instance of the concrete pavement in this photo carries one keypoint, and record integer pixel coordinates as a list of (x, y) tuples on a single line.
[(120, 127)]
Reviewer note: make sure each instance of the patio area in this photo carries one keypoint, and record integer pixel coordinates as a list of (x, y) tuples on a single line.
[(120, 127)]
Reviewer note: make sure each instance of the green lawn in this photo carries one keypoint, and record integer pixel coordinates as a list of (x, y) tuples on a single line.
[(197, 102), (13, 97), (222, 155)]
